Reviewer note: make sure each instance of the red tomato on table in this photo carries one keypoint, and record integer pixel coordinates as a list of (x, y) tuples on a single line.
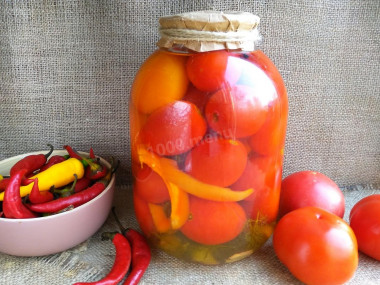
[(365, 222), (310, 188), (316, 246)]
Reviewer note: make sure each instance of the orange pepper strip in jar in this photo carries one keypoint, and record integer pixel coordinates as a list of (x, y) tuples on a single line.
[(179, 199), (180, 206), (160, 220), (168, 169)]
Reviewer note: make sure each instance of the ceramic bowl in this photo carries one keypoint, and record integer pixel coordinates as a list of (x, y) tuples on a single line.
[(55, 233)]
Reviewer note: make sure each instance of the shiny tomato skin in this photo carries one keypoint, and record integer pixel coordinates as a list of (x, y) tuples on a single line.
[(150, 187), (210, 71), (365, 222), (173, 129), (316, 246), (310, 188), (143, 215), (217, 161), (213, 222), (236, 112)]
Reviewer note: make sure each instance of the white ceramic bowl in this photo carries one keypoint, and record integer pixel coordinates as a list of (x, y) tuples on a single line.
[(56, 233)]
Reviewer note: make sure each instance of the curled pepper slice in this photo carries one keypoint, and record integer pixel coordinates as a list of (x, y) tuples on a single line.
[(160, 220), (168, 169)]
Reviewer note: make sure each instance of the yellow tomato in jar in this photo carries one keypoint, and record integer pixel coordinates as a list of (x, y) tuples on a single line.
[(161, 80)]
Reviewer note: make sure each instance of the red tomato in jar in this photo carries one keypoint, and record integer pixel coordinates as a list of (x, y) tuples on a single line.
[(270, 139), (173, 129), (310, 188), (210, 71), (259, 174), (263, 175), (217, 161), (197, 97), (365, 222), (143, 215), (150, 186), (316, 246), (213, 222), (236, 112)]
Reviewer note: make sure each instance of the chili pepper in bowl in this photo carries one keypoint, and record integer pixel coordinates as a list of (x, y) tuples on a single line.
[(36, 197), (82, 184), (121, 263), (31, 162), (3, 183), (52, 160), (58, 175), (141, 254), (95, 171), (12, 204), (76, 200), (72, 153)]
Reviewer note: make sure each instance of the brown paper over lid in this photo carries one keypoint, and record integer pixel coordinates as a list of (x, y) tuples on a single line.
[(209, 30)]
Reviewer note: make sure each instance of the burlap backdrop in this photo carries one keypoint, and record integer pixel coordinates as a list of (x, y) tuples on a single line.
[(66, 68)]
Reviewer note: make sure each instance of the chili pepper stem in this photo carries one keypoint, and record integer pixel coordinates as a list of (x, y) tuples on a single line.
[(121, 227), (50, 151)]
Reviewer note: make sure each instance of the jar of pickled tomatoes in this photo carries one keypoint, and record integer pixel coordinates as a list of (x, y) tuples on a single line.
[(208, 116)]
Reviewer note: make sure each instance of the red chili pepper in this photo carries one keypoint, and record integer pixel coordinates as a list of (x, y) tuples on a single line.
[(12, 203), (37, 197), (121, 263), (72, 152), (141, 254), (3, 183), (92, 154), (52, 160), (95, 171), (82, 184), (31, 162), (76, 200)]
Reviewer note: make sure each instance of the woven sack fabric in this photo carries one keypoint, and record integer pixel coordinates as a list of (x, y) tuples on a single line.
[(66, 69)]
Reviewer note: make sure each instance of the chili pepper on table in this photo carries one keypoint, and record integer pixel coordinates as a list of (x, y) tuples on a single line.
[(12, 204), (121, 263), (52, 160), (76, 200), (58, 175), (36, 197), (141, 254), (31, 162)]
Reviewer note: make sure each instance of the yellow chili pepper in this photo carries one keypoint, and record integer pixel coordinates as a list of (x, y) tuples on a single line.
[(168, 169), (57, 175)]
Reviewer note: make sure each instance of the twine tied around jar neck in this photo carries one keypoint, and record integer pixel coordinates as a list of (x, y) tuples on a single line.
[(209, 30)]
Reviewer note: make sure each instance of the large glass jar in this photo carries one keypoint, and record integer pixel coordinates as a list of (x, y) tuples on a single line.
[(208, 116)]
